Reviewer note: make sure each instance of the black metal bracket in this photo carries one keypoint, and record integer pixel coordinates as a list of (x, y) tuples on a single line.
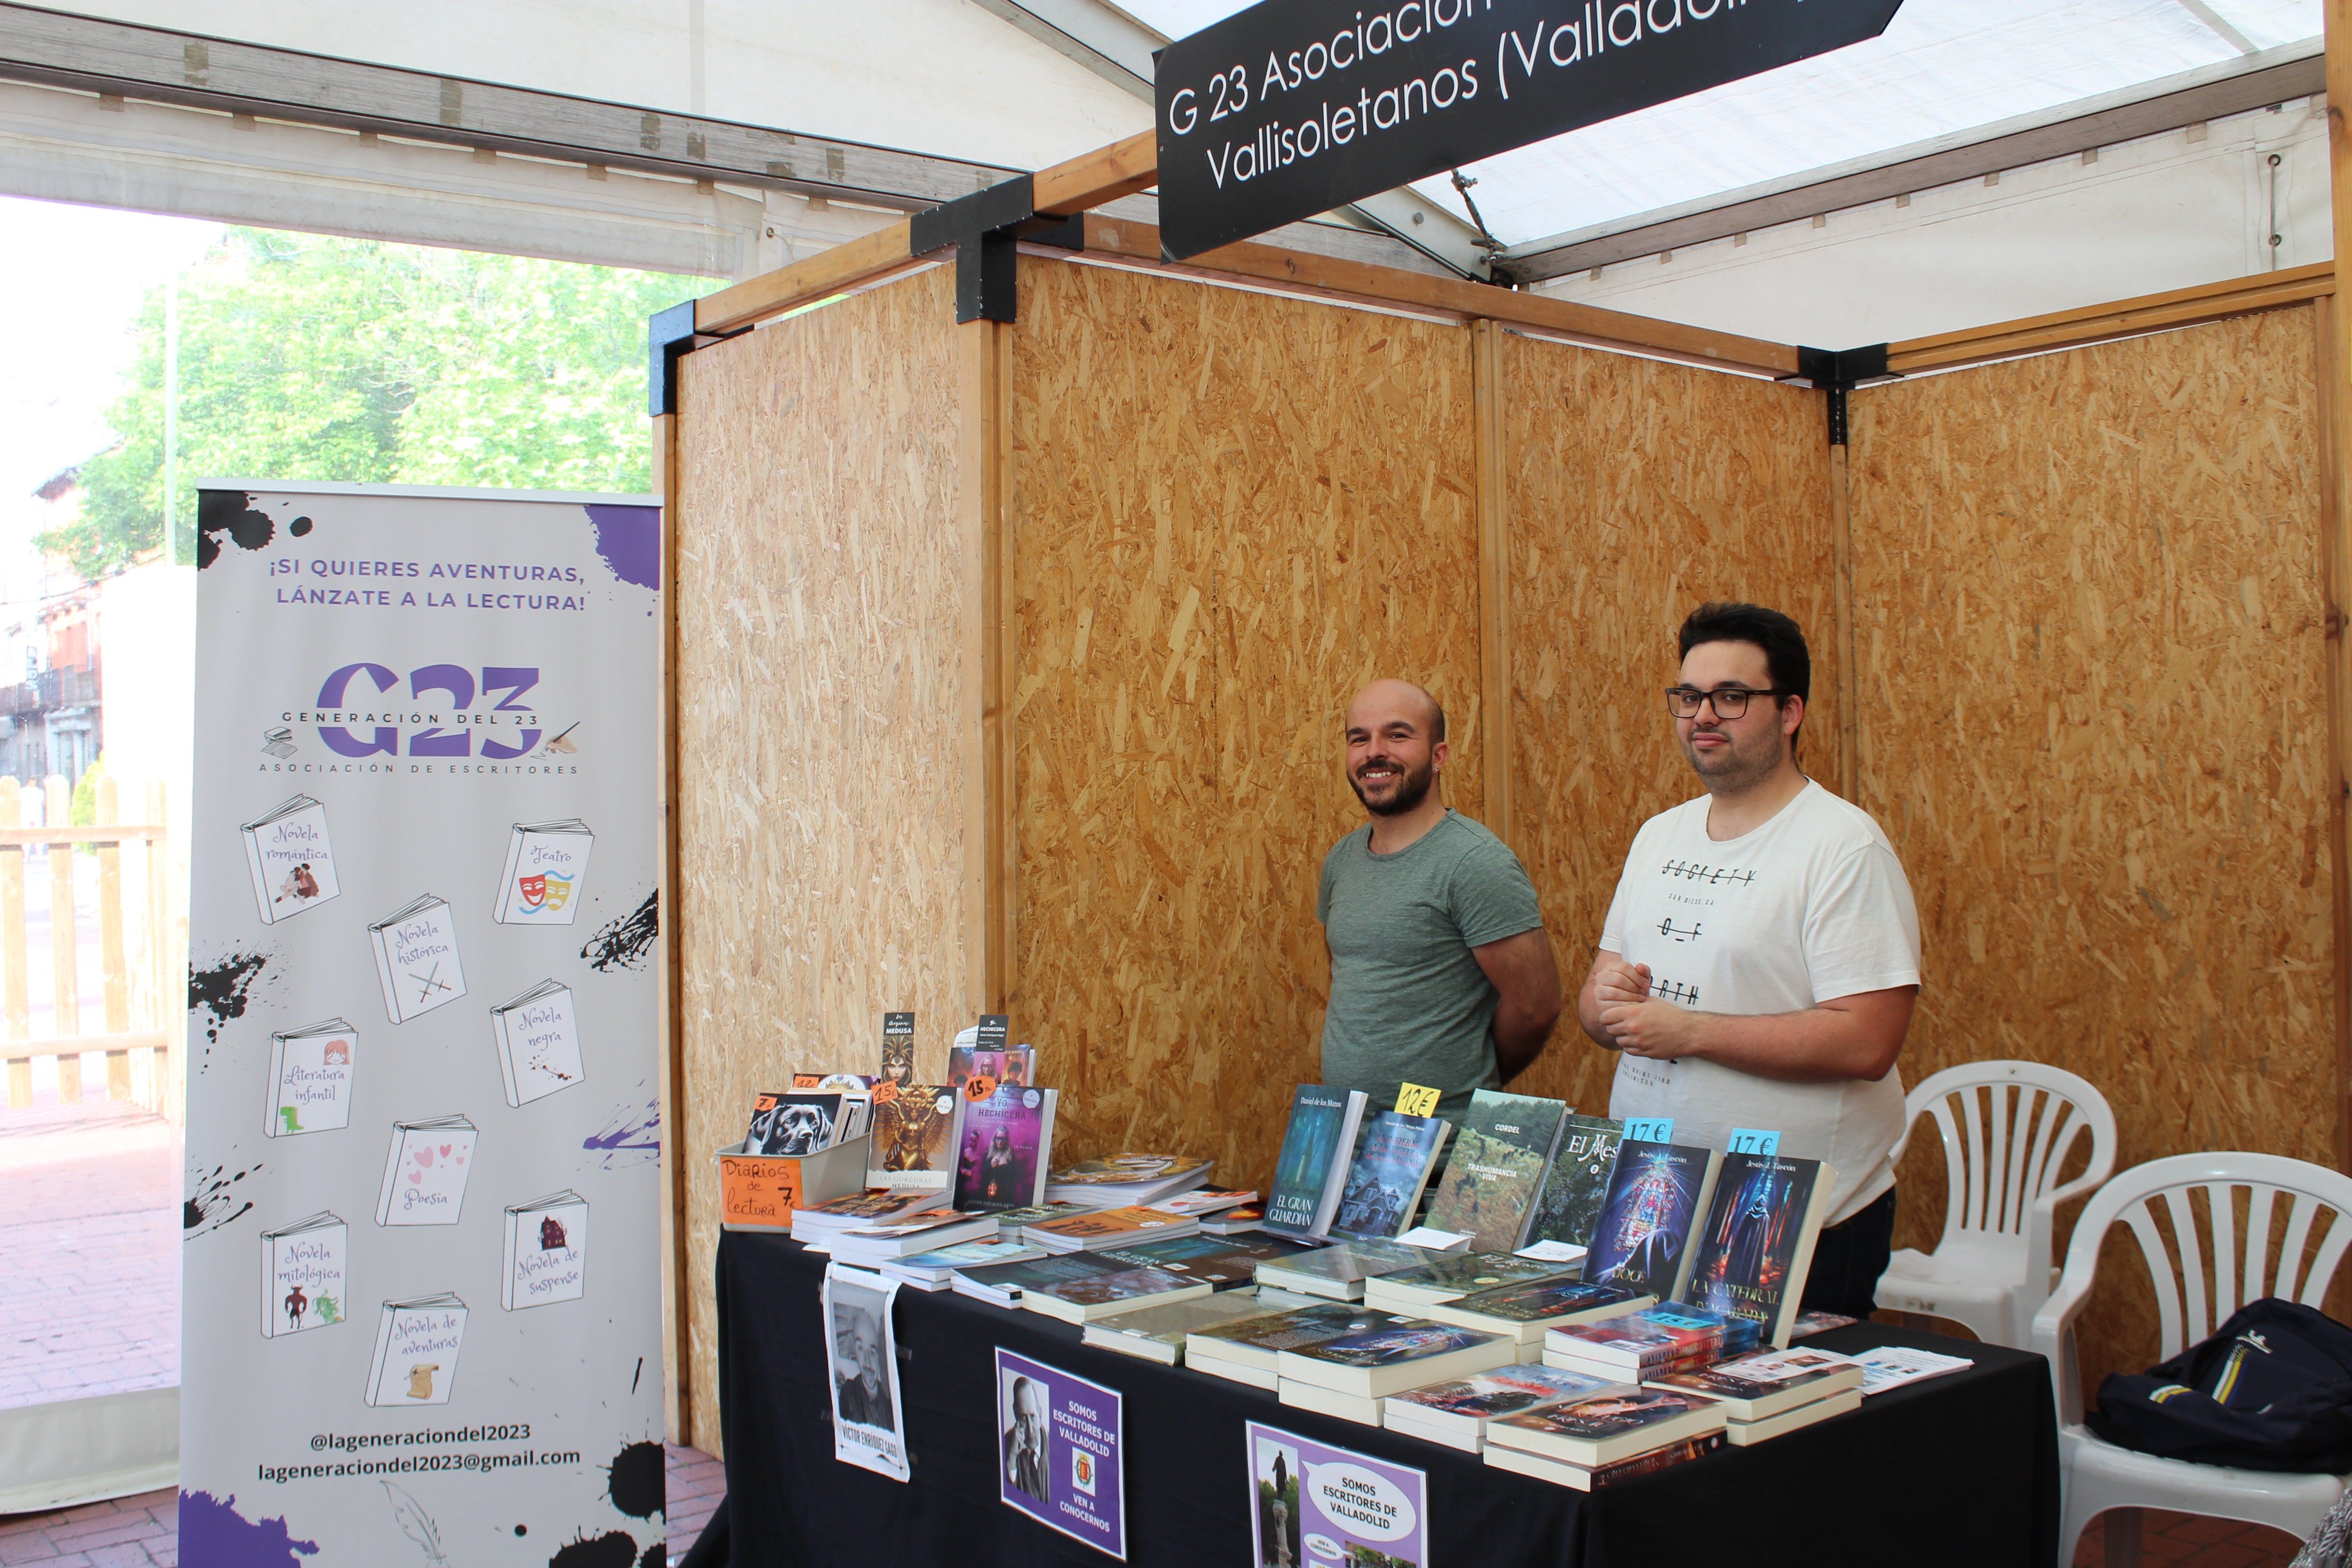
[(986, 230), (1838, 372), (669, 336)]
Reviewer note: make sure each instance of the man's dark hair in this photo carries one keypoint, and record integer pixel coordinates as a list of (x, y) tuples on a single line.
[(1786, 658), (1436, 717)]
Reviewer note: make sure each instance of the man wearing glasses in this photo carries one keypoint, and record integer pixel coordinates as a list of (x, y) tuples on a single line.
[(1761, 956)]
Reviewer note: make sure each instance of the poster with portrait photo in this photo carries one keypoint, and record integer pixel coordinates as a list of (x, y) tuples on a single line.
[(1336, 1504), (869, 1427), (1058, 1451)]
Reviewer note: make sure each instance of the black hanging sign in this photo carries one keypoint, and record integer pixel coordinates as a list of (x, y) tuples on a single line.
[(1295, 107)]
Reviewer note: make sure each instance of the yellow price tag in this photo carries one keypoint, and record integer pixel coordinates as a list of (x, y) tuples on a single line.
[(1414, 1100)]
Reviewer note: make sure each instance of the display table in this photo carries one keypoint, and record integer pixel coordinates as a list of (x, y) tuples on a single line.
[(1960, 1469)]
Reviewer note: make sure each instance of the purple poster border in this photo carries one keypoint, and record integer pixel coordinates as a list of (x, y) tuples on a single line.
[(1065, 1437)]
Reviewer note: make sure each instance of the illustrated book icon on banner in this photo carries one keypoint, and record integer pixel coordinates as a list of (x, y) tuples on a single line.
[(302, 1270), (547, 1251), (424, 1173), (546, 862), (292, 862), (310, 1078), (539, 1042), (416, 1346), (417, 958)]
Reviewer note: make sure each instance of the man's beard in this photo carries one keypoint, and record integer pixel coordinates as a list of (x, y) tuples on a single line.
[(1736, 767), (1412, 789)]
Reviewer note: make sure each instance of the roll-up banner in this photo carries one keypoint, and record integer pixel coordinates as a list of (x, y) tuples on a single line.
[(421, 1315), (1295, 107)]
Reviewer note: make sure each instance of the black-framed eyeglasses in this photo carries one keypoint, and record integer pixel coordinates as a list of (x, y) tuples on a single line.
[(1729, 702)]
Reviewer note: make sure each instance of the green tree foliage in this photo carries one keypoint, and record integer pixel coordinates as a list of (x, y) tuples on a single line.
[(307, 357)]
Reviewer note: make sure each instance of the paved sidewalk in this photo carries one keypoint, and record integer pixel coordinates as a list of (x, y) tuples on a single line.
[(90, 1252), (144, 1531), (2191, 1541)]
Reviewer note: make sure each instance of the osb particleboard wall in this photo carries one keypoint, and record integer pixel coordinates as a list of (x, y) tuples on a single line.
[(1637, 490), (819, 601), (2089, 650), (1232, 510)]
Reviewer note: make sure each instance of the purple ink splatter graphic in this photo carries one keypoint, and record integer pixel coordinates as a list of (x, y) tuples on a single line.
[(629, 539), (631, 1136), (213, 1534)]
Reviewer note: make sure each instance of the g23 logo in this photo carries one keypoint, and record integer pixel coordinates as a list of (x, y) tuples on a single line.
[(456, 681)]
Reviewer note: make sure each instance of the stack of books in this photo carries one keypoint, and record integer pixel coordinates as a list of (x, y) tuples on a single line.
[(1004, 1284), (1221, 1262), (1250, 1216), (935, 1271), (1123, 1180), (1246, 1351), (1011, 1223), (1672, 1337), (1098, 1229), (815, 1227), (1455, 1413), (1604, 1437), (1201, 1203), (1157, 1334), (1448, 1277), (925, 1231), (1350, 1376), (1525, 1312), (1102, 1295), (1339, 1271), (1762, 1397)]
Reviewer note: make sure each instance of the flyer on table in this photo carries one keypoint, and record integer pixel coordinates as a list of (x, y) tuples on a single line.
[(1060, 1451), (421, 1143), (1314, 1504)]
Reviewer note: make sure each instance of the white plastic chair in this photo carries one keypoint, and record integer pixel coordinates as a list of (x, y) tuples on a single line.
[(2096, 1474), (1993, 1269)]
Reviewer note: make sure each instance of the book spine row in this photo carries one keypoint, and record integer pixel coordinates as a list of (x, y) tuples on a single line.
[(1673, 1454)]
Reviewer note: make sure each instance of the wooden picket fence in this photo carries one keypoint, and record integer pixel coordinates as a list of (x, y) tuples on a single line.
[(138, 955)]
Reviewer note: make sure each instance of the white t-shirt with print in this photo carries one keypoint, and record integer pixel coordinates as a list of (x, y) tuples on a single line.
[(1807, 908)]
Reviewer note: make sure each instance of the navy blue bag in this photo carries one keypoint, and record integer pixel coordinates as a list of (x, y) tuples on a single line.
[(2271, 1391)]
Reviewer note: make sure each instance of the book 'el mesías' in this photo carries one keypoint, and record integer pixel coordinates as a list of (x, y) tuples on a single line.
[(416, 1346), (1581, 1163), (1311, 1170), (417, 958), (1656, 1197), (546, 1251), (538, 1035), (1496, 1169), (310, 1078), (292, 861), (1756, 1245), (424, 1172), (546, 864), (302, 1271)]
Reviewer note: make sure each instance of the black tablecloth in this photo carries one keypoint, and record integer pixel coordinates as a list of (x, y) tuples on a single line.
[(1960, 1469)]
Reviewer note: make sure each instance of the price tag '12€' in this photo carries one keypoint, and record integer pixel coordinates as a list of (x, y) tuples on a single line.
[(1414, 1100)]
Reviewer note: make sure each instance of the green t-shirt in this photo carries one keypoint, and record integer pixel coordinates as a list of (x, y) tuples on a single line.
[(1409, 1003)]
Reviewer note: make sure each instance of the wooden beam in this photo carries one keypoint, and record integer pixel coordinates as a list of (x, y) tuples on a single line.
[(1846, 723), (1494, 704), (2334, 323), (670, 1043), (983, 504), (1358, 282), (74, 1044), (2121, 318), (1103, 175), (869, 259)]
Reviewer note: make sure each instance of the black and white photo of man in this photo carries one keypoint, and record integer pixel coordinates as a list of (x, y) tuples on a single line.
[(864, 1399), (1024, 1435)]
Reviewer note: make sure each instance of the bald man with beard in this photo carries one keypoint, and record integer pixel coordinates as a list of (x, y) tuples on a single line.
[(1442, 974)]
